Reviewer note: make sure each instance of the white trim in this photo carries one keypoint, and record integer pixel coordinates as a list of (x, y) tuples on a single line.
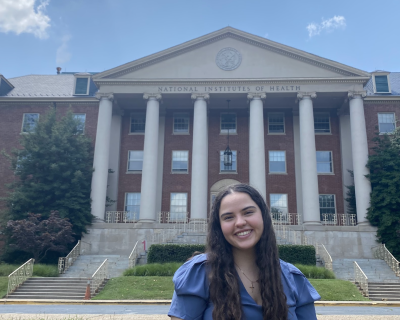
[(173, 123), (23, 121), (170, 202), (325, 173), (139, 202), (328, 194), (269, 162), (230, 130), (172, 162), (379, 126), (387, 74), (139, 114), (127, 166), (87, 88), (284, 123), (330, 125)]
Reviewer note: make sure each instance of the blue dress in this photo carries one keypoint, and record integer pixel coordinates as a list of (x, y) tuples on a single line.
[(191, 296)]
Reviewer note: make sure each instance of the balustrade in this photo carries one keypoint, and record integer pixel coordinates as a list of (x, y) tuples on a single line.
[(361, 279), (121, 217), (381, 252), (65, 263), (338, 219), (99, 276), (20, 275)]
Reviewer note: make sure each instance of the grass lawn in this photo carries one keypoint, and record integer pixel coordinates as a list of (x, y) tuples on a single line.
[(3, 286), (125, 288), (337, 290)]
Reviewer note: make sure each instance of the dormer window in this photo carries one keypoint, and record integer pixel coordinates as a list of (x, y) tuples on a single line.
[(82, 83), (381, 82)]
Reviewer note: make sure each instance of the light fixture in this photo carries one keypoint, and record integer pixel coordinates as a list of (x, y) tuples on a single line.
[(228, 151)]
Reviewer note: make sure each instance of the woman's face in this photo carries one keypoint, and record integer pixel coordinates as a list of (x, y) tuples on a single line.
[(241, 220)]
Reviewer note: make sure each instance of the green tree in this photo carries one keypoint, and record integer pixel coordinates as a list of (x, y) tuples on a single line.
[(351, 196), (384, 212), (54, 170)]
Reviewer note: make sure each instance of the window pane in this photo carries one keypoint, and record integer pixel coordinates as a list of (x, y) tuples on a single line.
[(138, 123), (180, 161), (381, 84), (321, 123), (181, 123), (324, 161), (327, 205), (178, 206), (277, 162), (279, 208), (80, 128), (224, 168), (29, 122), (81, 85), (276, 123), (228, 122), (132, 205), (386, 122), (135, 162)]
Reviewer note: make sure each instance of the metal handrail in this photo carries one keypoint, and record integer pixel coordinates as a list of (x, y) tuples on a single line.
[(361, 279), (65, 263), (99, 276), (326, 257), (20, 275), (133, 256), (383, 253)]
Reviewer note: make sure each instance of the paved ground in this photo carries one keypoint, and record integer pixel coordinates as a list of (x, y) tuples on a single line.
[(140, 312)]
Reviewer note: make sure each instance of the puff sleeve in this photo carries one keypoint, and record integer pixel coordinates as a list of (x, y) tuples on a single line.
[(300, 294), (191, 293)]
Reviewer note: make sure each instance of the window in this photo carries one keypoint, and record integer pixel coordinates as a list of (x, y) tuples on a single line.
[(180, 160), (132, 206), (322, 123), (178, 209), (135, 161), (138, 123), (81, 118), (228, 122), (277, 161), (276, 123), (324, 162), (29, 122), (381, 84), (213, 195), (224, 168), (82, 86), (181, 123), (387, 123), (327, 204), (279, 206)]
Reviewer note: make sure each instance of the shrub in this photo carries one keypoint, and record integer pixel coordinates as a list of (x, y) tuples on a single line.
[(154, 269), (39, 270), (162, 253), (314, 272)]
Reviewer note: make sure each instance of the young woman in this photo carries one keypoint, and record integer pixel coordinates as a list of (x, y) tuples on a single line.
[(240, 276)]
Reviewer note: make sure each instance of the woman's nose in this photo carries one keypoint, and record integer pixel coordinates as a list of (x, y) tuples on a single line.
[(240, 221)]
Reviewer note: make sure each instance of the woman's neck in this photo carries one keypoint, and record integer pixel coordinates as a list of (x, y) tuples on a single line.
[(245, 259)]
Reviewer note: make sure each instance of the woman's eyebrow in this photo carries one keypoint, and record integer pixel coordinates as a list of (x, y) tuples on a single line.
[(249, 207), (225, 214)]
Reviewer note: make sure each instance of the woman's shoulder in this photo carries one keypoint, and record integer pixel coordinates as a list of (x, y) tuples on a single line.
[(191, 277), (288, 268)]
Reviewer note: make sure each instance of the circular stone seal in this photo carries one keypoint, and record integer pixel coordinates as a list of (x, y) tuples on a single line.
[(228, 59)]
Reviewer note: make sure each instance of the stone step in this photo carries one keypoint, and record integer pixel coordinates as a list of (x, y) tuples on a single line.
[(55, 297)]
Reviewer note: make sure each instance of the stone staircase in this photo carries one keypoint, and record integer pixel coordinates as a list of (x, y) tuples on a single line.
[(51, 288), (384, 291), (86, 265)]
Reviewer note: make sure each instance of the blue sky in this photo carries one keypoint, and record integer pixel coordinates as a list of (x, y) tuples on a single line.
[(96, 35)]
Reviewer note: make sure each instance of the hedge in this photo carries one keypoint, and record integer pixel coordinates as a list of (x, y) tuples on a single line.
[(162, 253)]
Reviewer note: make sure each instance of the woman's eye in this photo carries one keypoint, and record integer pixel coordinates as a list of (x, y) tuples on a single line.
[(249, 212), (227, 218)]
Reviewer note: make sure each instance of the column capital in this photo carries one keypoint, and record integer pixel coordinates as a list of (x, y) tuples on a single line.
[(102, 95), (302, 95), (256, 96), (200, 96), (357, 94), (152, 96)]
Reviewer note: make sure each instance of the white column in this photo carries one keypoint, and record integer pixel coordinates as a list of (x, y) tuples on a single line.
[(359, 145), (309, 176), (199, 187), (101, 155), (257, 177), (150, 159)]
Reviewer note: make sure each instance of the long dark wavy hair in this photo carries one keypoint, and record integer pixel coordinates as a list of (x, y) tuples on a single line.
[(223, 278)]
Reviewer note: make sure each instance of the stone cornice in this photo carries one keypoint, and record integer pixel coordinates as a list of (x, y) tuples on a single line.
[(33, 100), (229, 32), (386, 100)]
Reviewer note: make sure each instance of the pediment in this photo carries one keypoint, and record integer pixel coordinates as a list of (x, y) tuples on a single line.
[(260, 59)]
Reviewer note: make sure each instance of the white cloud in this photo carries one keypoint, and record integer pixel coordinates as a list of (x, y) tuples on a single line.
[(63, 54), (24, 16), (328, 25)]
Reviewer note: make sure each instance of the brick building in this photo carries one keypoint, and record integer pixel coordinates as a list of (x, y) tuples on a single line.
[(297, 123)]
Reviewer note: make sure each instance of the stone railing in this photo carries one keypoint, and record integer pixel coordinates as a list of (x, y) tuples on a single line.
[(338, 219), (168, 217), (361, 279), (381, 252), (325, 256), (65, 263), (286, 218), (121, 217), (99, 276), (133, 256), (20, 275)]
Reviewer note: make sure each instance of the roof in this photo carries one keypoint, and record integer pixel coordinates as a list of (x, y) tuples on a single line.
[(394, 79), (61, 85)]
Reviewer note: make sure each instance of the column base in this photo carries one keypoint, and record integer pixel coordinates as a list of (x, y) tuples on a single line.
[(364, 223), (312, 223), (98, 220), (146, 221)]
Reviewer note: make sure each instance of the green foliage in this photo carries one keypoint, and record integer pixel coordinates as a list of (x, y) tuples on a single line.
[(351, 196), (54, 170), (314, 272), (384, 212), (161, 253), (337, 290), (297, 254), (154, 269), (39, 270)]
